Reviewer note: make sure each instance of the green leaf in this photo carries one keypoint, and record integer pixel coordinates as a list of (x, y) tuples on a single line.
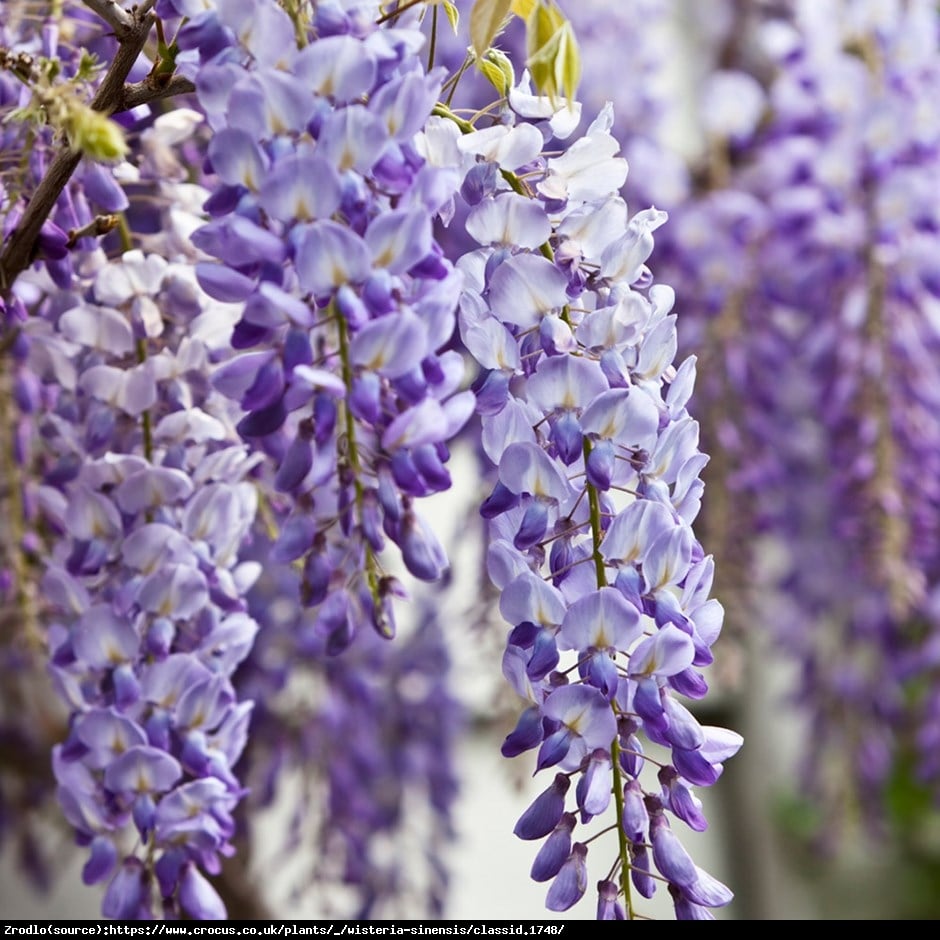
[(541, 25), (453, 14), (497, 68), (493, 74), (568, 63), (554, 60), (486, 19), (541, 65), (504, 63), (95, 135)]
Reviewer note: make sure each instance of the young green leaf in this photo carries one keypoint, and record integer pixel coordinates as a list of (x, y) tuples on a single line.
[(95, 135), (568, 63), (553, 57), (497, 68), (453, 14), (486, 20)]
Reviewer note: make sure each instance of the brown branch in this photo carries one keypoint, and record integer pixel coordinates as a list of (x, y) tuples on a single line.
[(152, 89), (18, 251), (98, 226), (114, 15)]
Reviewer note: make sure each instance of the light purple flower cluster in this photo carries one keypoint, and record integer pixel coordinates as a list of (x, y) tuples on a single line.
[(368, 738), (280, 340), (27, 785), (852, 276), (150, 497), (601, 577), (322, 224), (805, 262), (143, 486)]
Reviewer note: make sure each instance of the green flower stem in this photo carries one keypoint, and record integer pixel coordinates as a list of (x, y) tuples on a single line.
[(352, 451), (594, 505)]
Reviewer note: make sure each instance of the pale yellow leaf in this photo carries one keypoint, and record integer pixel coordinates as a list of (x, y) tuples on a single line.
[(486, 18), (453, 14)]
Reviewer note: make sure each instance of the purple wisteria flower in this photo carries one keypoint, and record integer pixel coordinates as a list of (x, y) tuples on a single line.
[(145, 501), (147, 582), (805, 261), (375, 730), (601, 578), (322, 227), (230, 392)]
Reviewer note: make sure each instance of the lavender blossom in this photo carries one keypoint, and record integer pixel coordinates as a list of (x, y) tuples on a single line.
[(322, 224), (597, 486)]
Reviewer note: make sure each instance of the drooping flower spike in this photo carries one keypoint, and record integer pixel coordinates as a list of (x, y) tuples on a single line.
[(322, 227), (602, 581)]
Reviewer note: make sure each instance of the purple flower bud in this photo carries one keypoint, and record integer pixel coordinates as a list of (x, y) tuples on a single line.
[(53, 241), (144, 812), (593, 789), (695, 767), (635, 816), (126, 685), (296, 538), (671, 858), (533, 526), (690, 683), (681, 800), (420, 549), (526, 735), (554, 851), (492, 391), (566, 436), (554, 748), (429, 464), (608, 907), (640, 872), (159, 638), (545, 812), (223, 283), (480, 182), (406, 475), (365, 399), (296, 465), (544, 656), (198, 898), (571, 882), (498, 502), (101, 862), (126, 893), (648, 704), (600, 464)]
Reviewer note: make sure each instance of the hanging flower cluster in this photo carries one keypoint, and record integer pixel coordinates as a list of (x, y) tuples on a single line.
[(146, 487), (371, 734), (276, 354), (323, 227), (802, 248), (601, 578)]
